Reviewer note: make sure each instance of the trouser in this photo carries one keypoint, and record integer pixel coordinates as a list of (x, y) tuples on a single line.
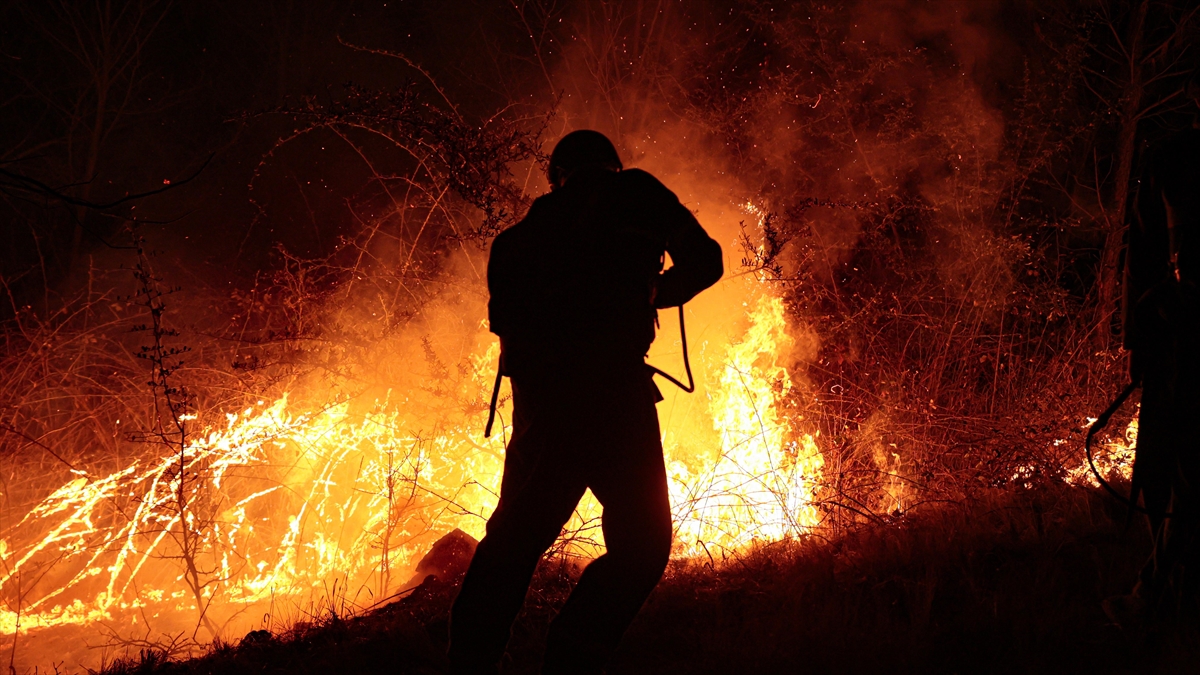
[(1168, 457), (1167, 467), (597, 430)]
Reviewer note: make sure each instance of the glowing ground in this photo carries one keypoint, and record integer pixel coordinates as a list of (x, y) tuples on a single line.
[(1011, 585)]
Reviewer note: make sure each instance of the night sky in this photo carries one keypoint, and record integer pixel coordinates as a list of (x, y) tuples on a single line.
[(198, 88), (193, 81), (923, 209)]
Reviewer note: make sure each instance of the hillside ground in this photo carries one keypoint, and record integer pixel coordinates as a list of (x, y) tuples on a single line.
[(1011, 583)]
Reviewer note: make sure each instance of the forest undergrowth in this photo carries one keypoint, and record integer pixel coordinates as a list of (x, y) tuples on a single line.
[(1012, 584), (939, 228)]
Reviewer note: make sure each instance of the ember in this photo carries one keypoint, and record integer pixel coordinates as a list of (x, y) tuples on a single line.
[(288, 502), (246, 389)]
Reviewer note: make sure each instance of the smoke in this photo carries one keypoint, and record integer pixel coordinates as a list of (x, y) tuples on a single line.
[(852, 167), (854, 161), (872, 111)]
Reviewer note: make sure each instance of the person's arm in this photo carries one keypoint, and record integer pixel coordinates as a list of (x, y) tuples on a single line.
[(696, 263), (1181, 205), (500, 278), (696, 258)]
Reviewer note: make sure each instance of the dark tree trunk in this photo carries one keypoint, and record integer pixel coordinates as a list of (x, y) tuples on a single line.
[(1126, 149)]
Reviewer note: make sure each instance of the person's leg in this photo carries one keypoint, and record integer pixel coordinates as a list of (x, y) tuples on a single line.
[(1180, 544), (630, 483), (1183, 532), (1167, 470), (1154, 472), (537, 497)]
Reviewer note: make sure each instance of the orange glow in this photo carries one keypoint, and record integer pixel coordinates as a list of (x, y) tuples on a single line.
[(1114, 459), (284, 501)]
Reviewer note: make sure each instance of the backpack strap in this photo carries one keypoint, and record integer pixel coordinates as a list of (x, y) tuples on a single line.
[(487, 431)]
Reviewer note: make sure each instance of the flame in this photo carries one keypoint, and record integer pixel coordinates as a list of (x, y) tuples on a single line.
[(763, 483), (276, 504), (1114, 459)]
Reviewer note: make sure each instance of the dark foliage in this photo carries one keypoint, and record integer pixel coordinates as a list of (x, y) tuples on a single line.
[(1013, 584), (473, 160)]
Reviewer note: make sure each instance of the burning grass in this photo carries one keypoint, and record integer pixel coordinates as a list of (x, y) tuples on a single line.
[(911, 333), (327, 494), (271, 507), (1012, 583)]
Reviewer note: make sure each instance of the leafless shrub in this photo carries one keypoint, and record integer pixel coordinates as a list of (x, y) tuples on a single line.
[(913, 236)]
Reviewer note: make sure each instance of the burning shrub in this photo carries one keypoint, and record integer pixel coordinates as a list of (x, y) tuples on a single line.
[(909, 325), (917, 231)]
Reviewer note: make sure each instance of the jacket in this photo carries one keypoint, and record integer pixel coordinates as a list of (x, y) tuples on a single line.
[(578, 281)]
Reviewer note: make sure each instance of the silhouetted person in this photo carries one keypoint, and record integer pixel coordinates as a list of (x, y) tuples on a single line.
[(574, 292), (1162, 332)]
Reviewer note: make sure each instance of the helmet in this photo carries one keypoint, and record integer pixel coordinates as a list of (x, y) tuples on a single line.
[(579, 149)]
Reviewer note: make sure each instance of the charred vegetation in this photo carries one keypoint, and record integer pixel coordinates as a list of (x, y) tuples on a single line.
[(923, 206)]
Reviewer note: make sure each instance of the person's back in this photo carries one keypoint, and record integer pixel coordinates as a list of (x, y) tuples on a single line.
[(1161, 330), (1162, 335), (577, 281), (574, 291), (1165, 233)]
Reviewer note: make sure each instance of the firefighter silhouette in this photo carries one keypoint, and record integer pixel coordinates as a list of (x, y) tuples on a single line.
[(574, 291), (1162, 334)]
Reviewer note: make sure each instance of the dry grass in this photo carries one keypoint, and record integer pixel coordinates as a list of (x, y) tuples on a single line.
[(1012, 584), (959, 345)]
